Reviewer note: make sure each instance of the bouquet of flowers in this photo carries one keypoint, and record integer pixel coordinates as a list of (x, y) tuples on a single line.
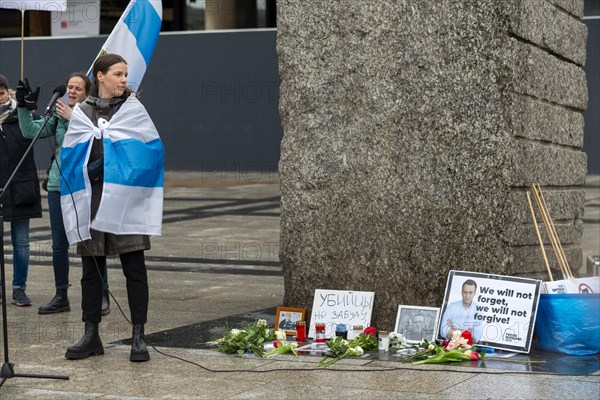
[(282, 346), (340, 347), (459, 348), (251, 339), (397, 341)]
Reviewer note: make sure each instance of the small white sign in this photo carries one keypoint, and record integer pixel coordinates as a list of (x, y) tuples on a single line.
[(82, 18), (334, 307), (573, 285)]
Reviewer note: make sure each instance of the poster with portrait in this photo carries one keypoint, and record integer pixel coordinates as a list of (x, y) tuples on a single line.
[(416, 323), (499, 310)]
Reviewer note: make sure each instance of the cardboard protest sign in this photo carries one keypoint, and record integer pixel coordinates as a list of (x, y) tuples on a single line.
[(573, 285), (334, 307), (499, 310)]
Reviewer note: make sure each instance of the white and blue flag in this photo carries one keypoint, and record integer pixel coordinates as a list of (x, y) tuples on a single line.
[(132, 194), (134, 38)]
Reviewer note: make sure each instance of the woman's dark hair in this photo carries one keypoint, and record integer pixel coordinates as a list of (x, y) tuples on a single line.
[(4, 82), (103, 63), (86, 80)]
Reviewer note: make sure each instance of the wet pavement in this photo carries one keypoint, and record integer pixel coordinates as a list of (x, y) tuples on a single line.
[(217, 262)]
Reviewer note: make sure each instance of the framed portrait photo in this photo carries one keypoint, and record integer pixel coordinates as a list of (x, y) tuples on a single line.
[(286, 318), (416, 323)]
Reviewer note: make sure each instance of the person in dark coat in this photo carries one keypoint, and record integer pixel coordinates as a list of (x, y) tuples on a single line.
[(78, 89), (21, 201), (109, 92)]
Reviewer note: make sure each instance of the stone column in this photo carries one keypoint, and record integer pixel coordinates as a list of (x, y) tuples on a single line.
[(412, 130)]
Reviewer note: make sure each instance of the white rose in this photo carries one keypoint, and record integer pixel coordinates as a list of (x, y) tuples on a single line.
[(280, 334), (235, 332)]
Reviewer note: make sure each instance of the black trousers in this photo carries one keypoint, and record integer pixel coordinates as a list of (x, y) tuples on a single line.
[(134, 269)]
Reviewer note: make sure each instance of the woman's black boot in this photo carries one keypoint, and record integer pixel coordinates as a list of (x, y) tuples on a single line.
[(59, 303), (105, 303), (89, 345), (139, 352)]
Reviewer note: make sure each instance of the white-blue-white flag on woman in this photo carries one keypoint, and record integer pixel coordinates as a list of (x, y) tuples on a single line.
[(134, 38), (132, 193)]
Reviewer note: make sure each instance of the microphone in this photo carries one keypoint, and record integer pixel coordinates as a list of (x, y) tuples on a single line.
[(58, 93)]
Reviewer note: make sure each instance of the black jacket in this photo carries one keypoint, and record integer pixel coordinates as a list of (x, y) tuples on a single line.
[(22, 197)]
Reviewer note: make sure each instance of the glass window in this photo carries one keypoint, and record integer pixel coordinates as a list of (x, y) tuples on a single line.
[(177, 16), (230, 14), (195, 15), (591, 8)]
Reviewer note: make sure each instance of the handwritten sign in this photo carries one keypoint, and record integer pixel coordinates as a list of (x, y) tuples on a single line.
[(334, 307), (499, 310)]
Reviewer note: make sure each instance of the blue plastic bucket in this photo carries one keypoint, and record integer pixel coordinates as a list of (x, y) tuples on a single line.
[(569, 323)]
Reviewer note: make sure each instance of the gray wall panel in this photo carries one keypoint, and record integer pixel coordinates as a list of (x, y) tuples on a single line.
[(591, 140), (212, 95)]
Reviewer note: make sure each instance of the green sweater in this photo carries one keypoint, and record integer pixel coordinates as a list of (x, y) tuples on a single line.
[(56, 123)]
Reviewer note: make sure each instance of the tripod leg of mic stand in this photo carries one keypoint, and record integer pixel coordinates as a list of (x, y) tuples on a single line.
[(7, 370)]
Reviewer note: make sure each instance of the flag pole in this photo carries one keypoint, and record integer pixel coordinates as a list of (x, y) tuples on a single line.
[(22, 40)]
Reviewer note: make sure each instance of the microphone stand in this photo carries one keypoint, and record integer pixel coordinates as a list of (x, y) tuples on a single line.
[(7, 370)]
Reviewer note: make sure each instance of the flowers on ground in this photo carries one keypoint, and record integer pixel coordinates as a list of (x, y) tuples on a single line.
[(340, 347), (397, 341), (459, 348), (281, 345), (253, 338), (280, 335), (367, 340), (370, 330)]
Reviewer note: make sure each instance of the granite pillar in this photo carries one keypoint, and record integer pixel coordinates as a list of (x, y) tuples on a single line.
[(412, 129)]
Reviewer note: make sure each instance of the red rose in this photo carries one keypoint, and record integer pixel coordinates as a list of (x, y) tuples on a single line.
[(369, 330), (467, 335), (445, 343), (276, 343), (474, 356)]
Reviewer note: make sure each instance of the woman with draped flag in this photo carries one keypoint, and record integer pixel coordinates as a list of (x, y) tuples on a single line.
[(112, 196)]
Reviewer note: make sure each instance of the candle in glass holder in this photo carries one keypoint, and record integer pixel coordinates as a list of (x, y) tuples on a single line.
[(341, 330), (320, 332), (356, 331), (384, 341), (301, 331)]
